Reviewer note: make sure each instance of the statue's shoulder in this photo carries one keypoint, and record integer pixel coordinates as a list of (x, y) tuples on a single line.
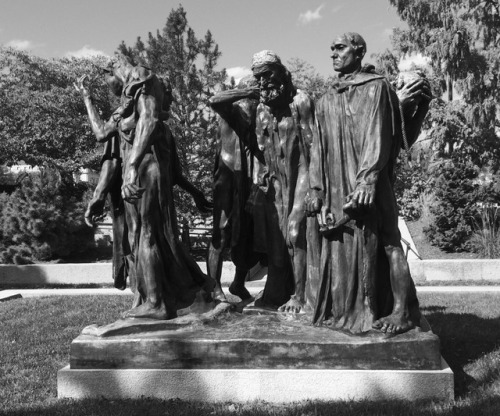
[(303, 102), (369, 78)]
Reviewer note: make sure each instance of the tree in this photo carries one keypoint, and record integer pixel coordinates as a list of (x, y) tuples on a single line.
[(176, 54), (43, 220), (462, 40), (42, 118), (305, 77), (386, 64), (437, 31)]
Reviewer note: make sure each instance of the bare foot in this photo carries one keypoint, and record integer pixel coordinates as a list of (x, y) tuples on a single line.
[(147, 310), (292, 306), (395, 323), (240, 291)]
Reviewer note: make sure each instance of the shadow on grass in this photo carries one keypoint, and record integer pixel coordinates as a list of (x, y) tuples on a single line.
[(150, 407), (464, 338), (38, 329)]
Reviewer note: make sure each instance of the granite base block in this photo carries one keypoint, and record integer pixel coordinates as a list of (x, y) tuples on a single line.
[(243, 385), (223, 355), (251, 341)]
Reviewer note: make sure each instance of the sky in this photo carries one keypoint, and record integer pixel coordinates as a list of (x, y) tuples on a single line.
[(292, 28)]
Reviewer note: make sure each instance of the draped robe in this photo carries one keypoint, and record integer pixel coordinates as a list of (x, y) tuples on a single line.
[(358, 142), (177, 275)]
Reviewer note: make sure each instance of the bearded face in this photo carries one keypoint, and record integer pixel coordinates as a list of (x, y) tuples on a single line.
[(271, 85)]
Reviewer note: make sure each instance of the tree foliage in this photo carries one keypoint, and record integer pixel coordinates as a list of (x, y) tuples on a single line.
[(305, 77), (42, 118), (189, 63), (462, 40), (43, 220)]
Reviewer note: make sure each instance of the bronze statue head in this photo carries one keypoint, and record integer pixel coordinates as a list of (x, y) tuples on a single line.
[(115, 84), (274, 80), (116, 73), (348, 51)]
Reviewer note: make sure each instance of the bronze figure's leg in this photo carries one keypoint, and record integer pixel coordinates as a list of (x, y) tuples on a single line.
[(237, 287), (405, 312), (159, 302), (221, 237), (399, 320), (297, 245)]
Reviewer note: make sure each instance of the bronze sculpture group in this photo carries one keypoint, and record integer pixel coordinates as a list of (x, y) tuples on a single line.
[(305, 189)]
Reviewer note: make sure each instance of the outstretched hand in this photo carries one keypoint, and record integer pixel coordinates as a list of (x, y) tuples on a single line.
[(80, 86)]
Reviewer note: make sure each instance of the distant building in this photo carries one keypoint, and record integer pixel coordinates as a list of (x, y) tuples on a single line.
[(11, 175)]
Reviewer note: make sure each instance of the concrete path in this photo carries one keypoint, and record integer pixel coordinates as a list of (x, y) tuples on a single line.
[(457, 289)]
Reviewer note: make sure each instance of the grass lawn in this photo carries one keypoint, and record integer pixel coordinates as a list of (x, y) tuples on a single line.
[(35, 335)]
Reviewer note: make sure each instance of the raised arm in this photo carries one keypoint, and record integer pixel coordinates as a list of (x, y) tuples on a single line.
[(102, 130), (222, 102)]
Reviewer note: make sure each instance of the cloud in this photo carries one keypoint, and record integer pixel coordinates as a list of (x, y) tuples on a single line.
[(85, 52), (406, 63), (20, 44), (310, 16), (238, 72)]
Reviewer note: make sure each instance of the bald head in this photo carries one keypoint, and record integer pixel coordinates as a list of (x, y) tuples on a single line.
[(348, 51), (356, 41)]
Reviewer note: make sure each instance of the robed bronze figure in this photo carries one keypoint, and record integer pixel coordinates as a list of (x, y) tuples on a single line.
[(365, 281), (163, 276)]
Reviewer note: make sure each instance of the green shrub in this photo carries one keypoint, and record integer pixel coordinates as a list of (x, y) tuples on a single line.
[(412, 182), (459, 205), (43, 220)]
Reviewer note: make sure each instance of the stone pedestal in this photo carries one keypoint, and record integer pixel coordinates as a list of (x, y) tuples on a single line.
[(252, 356)]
